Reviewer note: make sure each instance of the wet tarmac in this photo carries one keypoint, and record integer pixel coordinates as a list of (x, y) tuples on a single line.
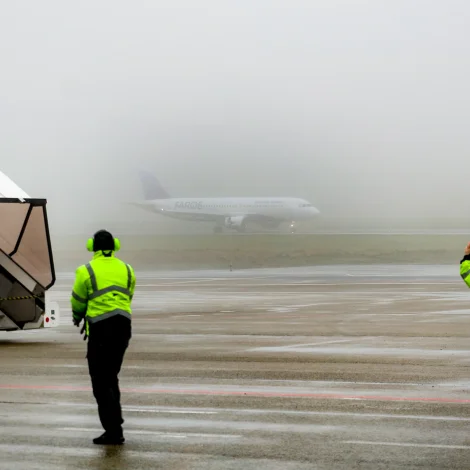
[(338, 367)]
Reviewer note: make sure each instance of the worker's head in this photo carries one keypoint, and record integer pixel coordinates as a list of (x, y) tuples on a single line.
[(103, 241)]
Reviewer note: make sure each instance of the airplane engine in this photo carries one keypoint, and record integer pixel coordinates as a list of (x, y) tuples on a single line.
[(237, 223)]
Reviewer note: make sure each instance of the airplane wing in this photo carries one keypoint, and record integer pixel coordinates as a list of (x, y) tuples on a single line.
[(195, 217), (179, 215), (264, 221)]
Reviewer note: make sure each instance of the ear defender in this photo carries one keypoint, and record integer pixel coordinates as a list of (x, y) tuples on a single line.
[(90, 245)]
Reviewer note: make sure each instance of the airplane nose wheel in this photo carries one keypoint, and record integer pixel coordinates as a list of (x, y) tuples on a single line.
[(293, 228)]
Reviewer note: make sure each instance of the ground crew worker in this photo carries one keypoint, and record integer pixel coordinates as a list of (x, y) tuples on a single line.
[(465, 265), (101, 297)]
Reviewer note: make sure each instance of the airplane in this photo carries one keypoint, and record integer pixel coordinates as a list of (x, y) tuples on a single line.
[(226, 212), (26, 261)]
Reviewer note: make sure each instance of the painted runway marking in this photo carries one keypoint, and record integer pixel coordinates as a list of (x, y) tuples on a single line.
[(309, 344), (183, 412), (359, 350), (179, 283), (333, 414), (408, 444), (159, 433), (182, 281), (244, 393), (310, 383)]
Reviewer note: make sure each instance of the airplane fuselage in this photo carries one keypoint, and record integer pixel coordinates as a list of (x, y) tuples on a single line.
[(229, 212), (218, 209)]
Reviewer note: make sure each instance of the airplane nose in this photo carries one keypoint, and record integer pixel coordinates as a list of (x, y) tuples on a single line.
[(314, 211)]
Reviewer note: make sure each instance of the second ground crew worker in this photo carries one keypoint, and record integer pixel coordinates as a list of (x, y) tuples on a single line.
[(101, 297), (465, 265)]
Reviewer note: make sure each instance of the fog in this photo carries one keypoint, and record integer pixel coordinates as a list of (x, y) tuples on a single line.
[(360, 107)]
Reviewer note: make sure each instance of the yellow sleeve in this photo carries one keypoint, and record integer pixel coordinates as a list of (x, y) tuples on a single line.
[(465, 271), (79, 297), (133, 281)]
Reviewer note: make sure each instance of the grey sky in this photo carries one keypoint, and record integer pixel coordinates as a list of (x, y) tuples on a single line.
[(361, 107)]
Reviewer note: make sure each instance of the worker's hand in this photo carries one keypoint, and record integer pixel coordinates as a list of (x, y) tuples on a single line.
[(83, 330), (467, 249), (76, 321)]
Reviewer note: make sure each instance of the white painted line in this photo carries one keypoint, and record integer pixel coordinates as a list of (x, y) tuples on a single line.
[(192, 281), (341, 414), (337, 414), (352, 382), (296, 306), (183, 412), (68, 366), (181, 281), (149, 409), (407, 444), (316, 344), (342, 284), (159, 433), (177, 436), (293, 346)]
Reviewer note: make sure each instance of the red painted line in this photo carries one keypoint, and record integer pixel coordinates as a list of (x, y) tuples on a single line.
[(248, 393)]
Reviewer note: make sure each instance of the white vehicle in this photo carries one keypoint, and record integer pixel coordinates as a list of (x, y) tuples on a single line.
[(26, 262), (229, 212)]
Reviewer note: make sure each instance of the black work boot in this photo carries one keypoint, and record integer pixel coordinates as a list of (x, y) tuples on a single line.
[(109, 439)]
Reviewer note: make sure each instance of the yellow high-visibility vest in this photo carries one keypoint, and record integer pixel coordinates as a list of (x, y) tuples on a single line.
[(103, 288)]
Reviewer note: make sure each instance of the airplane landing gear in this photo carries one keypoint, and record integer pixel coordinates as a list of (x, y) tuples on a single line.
[(292, 228)]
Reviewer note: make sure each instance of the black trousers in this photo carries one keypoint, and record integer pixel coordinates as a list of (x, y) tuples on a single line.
[(107, 345)]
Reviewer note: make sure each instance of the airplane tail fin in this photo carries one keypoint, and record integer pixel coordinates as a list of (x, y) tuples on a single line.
[(151, 187)]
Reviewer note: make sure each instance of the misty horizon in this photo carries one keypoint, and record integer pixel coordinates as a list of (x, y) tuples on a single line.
[(360, 109)]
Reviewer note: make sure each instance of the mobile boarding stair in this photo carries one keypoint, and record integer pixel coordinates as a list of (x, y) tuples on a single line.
[(26, 266)]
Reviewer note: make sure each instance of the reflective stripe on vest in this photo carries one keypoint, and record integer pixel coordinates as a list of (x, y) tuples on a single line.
[(99, 292), (465, 274), (106, 315)]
